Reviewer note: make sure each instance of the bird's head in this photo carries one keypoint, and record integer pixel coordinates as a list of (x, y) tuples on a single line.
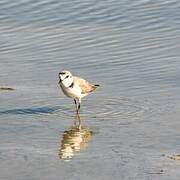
[(65, 78)]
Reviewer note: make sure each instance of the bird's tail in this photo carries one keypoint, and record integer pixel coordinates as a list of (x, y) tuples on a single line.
[(95, 86)]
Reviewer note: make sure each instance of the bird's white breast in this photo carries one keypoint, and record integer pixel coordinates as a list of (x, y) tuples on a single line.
[(73, 92)]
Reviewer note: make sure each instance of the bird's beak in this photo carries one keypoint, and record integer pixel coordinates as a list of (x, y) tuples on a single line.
[(59, 81)]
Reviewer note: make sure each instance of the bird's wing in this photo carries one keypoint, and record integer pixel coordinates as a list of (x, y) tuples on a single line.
[(84, 85)]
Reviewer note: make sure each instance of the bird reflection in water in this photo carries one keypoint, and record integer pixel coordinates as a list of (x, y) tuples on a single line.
[(74, 140)]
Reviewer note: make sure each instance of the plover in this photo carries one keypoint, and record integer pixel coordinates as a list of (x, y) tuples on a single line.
[(75, 87)]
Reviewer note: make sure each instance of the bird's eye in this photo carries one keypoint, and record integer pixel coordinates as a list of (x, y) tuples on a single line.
[(67, 76)]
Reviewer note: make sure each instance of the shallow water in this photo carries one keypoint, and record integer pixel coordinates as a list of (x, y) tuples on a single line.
[(131, 48)]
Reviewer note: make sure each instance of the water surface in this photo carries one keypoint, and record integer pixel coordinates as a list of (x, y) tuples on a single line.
[(130, 48)]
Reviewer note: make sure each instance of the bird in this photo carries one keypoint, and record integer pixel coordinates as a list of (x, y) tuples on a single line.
[(75, 87)]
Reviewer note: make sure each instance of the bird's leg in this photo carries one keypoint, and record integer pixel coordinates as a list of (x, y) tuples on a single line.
[(79, 105), (75, 102), (76, 105)]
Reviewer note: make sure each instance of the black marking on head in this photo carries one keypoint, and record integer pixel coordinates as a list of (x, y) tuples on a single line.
[(62, 73)]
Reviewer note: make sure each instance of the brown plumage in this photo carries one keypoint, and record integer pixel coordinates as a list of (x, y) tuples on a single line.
[(86, 87)]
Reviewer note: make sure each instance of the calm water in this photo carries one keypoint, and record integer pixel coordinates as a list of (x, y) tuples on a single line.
[(131, 48)]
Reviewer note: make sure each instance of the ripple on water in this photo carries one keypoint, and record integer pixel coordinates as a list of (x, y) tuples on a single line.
[(119, 107), (113, 108)]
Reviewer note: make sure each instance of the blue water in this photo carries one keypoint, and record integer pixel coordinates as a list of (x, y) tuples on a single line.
[(130, 48)]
